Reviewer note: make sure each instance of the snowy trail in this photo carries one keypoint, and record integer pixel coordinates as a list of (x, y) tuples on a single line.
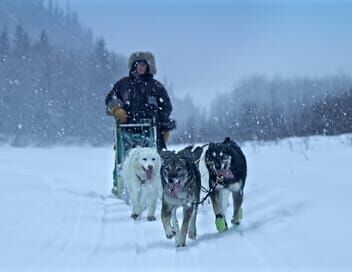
[(57, 213)]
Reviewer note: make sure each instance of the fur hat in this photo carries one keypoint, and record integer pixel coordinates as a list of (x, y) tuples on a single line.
[(147, 56)]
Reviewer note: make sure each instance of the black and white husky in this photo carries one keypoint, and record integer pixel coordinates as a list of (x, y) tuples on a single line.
[(226, 171), (181, 188)]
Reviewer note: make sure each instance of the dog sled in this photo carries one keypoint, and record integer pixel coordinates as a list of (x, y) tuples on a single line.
[(126, 137)]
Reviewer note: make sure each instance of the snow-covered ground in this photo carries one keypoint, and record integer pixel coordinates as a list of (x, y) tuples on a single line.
[(57, 214)]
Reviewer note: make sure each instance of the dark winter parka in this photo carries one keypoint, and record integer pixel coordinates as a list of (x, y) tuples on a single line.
[(141, 96)]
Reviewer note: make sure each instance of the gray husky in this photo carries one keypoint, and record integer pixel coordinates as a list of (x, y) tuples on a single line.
[(181, 188)]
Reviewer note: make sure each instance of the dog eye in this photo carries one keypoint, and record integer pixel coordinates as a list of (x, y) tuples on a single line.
[(214, 154), (221, 154), (144, 159), (153, 159)]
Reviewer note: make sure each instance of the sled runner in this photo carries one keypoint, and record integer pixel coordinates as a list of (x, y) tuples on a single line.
[(127, 136)]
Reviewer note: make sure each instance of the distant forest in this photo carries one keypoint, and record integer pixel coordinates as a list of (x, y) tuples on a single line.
[(268, 109), (54, 76), (53, 80)]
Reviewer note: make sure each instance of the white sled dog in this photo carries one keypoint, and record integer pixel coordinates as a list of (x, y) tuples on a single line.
[(141, 174)]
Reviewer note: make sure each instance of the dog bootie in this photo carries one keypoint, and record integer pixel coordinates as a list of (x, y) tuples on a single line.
[(236, 220), (220, 223)]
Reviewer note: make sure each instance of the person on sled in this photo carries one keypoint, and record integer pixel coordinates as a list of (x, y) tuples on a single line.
[(139, 96)]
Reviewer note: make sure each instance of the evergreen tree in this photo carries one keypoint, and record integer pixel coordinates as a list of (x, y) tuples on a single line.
[(4, 44), (21, 42)]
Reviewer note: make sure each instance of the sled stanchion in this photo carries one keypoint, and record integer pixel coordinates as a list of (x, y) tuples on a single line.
[(155, 135)]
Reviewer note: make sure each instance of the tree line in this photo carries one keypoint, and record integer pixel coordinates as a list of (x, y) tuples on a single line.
[(268, 109), (49, 96)]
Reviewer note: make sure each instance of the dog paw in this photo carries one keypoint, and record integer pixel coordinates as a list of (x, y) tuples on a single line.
[(151, 218), (182, 244), (221, 224), (236, 220), (134, 216), (170, 233), (192, 235)]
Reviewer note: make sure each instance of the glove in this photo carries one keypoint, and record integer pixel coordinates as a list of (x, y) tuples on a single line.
[(120, 114), (167, 125), (166, 136)]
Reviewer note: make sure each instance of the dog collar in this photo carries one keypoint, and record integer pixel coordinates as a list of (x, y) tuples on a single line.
[(140, 179)]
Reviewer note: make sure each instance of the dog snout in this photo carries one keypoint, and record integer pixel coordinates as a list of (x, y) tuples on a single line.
[(170, 180), (150, 167), (176, 180), (217, 166), (173, 180)]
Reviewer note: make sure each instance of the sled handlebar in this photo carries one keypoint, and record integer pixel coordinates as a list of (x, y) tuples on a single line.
[(142, 123), (135, 125)]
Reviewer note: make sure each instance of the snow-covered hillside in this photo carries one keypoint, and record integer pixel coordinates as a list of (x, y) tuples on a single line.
[(57, 214)]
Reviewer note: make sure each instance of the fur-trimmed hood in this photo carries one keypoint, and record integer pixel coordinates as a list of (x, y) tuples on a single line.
[(147, 56)]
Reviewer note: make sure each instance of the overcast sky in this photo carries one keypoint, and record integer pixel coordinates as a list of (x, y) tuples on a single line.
[(205, 47)]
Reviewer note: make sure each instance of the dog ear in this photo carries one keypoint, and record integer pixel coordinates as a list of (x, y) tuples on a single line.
[(188, 164), (166, 154), (135, 156), (197, 153), (227, 140), (211, 147)]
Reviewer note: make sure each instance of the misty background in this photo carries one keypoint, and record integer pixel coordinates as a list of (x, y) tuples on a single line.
[(252, 70)]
